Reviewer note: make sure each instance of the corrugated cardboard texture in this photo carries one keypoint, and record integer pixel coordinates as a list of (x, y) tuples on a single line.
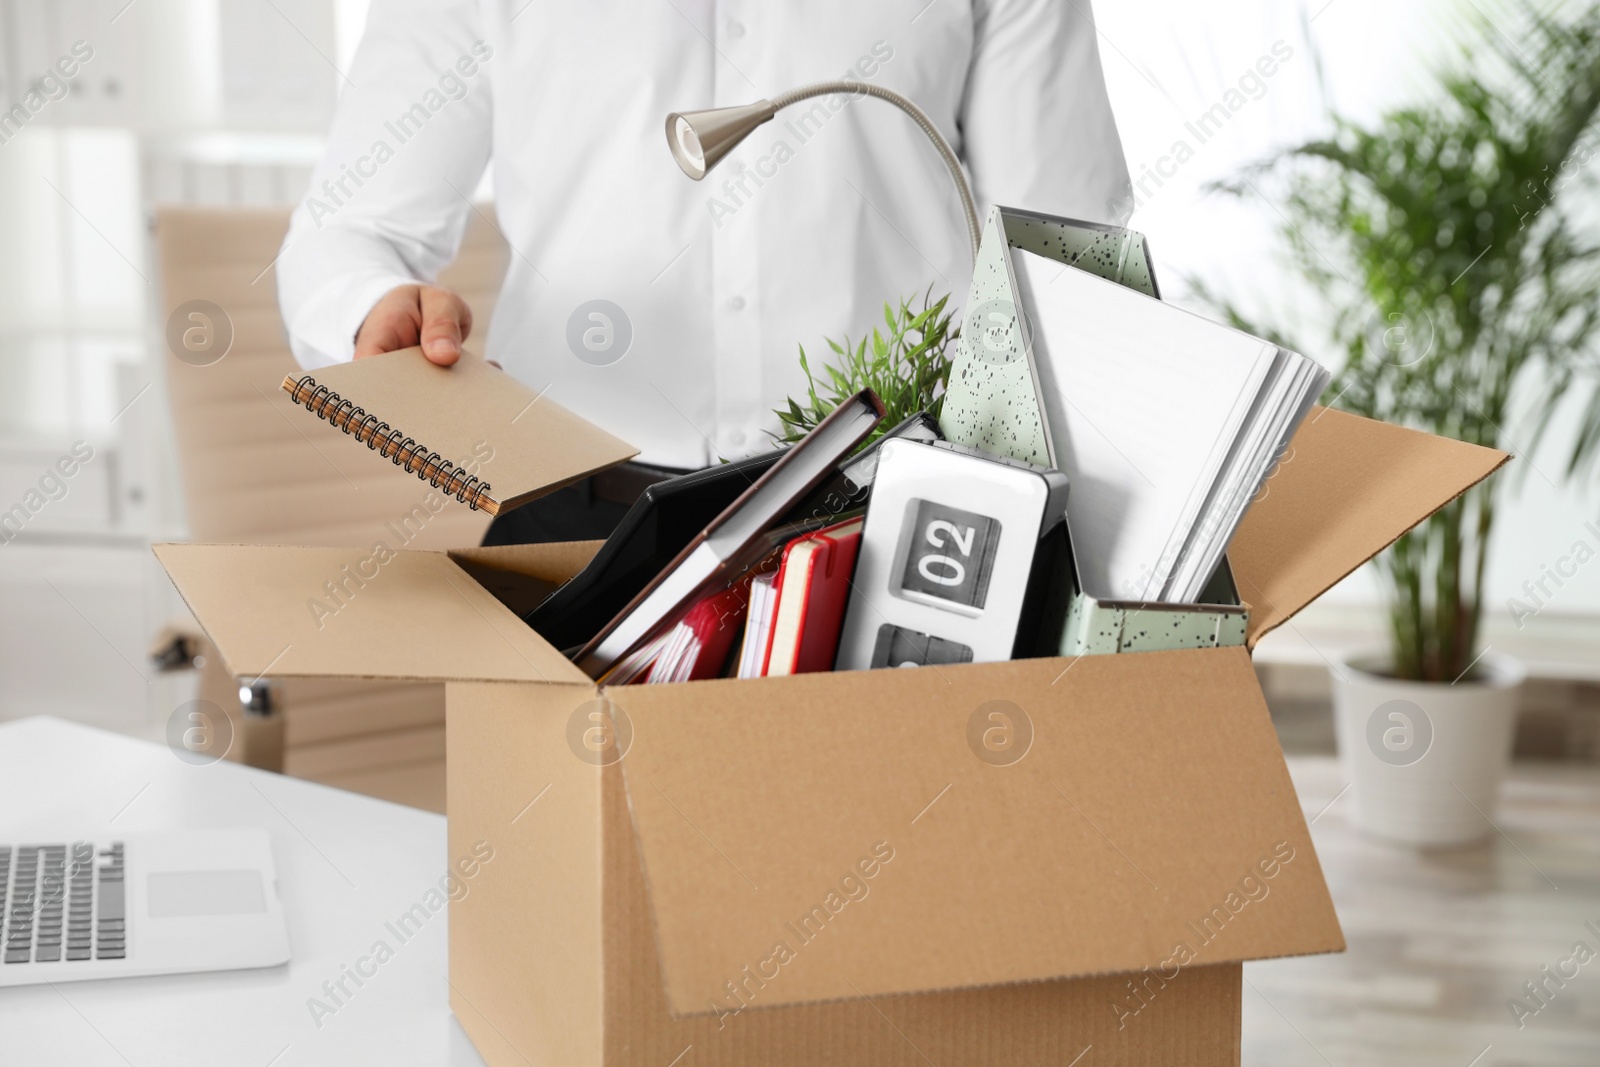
[(521, 576), (1347, 489), (255, 468), (525, 941), (548, 562), (553, 958), (418, 617), (526, 443), (1154, 786)]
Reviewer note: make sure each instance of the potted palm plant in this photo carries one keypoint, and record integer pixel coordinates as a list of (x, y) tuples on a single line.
[(1457, 240)]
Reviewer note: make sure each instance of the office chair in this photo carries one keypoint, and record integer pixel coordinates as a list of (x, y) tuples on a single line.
[(256, 470)]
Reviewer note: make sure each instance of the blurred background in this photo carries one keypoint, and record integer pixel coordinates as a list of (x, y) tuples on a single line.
[(208, 103), (218, 104), (181, 142)]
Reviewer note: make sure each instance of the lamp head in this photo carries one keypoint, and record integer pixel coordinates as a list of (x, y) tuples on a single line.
[(699, 139)]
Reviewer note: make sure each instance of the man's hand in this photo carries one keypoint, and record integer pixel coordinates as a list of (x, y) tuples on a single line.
[(408, 315)]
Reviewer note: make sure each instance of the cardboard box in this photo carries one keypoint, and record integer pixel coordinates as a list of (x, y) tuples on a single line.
[(989, 863)]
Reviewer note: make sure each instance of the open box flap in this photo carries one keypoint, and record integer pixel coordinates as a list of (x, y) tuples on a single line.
[(553, 562), (1347, 488), (1145, 812), (414, 616)]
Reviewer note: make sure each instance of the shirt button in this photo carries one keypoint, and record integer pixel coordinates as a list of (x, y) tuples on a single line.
[(736, 304), (736, 29)]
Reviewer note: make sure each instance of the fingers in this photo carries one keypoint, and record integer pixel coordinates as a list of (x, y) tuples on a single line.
[(409, 315), (392, 324), (445, 323)]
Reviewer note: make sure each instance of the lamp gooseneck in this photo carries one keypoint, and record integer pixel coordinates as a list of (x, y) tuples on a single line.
[(948, 154), (700, 139)]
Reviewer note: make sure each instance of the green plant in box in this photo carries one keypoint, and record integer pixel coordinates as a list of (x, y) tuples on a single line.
[(908, 367)]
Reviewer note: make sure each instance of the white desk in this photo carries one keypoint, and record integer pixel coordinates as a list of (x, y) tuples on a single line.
[(347, 865)]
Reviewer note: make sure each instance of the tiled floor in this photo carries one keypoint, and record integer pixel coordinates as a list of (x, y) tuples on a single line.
[(1440, 942)]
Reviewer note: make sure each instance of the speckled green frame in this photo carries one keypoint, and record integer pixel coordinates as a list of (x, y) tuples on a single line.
[(992, 399), (992, 403), (1095, 627)]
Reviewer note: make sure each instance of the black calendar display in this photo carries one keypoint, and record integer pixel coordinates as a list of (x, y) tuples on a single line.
[(949, 554), (946, 555), (899, 647)]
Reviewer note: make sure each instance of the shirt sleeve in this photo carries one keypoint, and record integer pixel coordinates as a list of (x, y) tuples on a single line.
[(391, 196), (1036, 123)]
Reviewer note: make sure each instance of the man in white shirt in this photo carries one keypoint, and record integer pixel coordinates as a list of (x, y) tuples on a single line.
[(664, 310)]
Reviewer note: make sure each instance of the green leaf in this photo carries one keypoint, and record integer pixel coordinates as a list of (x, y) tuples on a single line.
[(1448, 238), (908, 367)]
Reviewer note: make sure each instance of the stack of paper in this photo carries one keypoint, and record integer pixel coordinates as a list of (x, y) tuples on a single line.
[(1165, 423), (758, 626)]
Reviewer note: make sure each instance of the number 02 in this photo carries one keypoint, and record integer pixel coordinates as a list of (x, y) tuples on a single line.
[(940, 533)]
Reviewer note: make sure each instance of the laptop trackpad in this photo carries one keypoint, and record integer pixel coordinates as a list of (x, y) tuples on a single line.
[(173, 894)]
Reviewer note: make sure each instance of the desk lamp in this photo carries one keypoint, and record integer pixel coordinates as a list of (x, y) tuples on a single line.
[(700, 139)]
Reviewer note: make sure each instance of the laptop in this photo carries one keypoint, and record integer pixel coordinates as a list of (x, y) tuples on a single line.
[(137, 904)]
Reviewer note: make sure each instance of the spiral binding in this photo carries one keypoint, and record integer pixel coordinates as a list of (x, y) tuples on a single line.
[(377, 435)]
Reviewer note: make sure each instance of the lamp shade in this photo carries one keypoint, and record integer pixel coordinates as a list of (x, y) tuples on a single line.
[(699, 139)]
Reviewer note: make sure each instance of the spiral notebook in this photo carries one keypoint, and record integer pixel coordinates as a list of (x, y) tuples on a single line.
[(471, 430)]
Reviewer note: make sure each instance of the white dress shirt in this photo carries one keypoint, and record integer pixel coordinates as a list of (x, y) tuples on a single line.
[(821, 216)]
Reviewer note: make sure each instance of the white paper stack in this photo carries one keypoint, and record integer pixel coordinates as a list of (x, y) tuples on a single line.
[(758, 626), (1165, 422)]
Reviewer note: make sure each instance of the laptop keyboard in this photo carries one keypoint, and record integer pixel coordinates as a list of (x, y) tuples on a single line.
[(57, 904)]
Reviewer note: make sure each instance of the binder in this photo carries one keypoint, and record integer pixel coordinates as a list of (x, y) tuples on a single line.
[(658, 527), (1007, 396), (698, 645)]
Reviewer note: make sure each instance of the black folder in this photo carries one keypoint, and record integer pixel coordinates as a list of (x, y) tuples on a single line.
[(661, 522)]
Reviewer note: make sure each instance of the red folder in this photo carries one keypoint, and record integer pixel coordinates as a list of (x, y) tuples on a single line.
[(812, 587), (699, 644)]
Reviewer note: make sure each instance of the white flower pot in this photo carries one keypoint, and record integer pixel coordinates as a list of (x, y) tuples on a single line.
[(1425, 759)]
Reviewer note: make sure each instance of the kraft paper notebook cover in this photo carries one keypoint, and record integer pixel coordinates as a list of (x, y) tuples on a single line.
[(471, 430)]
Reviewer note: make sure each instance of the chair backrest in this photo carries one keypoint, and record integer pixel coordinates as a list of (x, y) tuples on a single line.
[(254, 467)]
